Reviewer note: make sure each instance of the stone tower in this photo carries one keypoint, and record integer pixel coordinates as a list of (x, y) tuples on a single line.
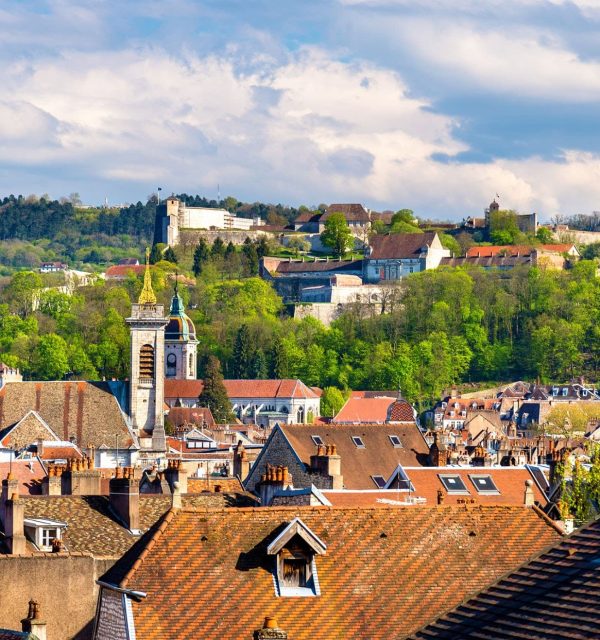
[(147, 384), (180, 342)]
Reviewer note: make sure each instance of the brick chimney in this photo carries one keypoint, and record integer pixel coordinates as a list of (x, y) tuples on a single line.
[(270, 630), (529, 499), (52, 483), (241, 464), (14, 525), (438, 452), (10, 485), (326, 462), (274, 479), (81, 478), (175, 472), (124, 498), (33, 623)]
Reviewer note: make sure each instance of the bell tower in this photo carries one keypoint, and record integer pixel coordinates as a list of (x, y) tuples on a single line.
[(181, 344), (146, 386)]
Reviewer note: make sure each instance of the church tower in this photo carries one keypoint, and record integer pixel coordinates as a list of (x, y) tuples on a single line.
[(180, 342), (147, 385)]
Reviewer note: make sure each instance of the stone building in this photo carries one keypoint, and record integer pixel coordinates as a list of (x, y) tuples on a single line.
[(180, 342)]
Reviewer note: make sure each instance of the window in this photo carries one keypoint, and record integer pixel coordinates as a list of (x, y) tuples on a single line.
[(191, 364), (47, 536), (147, 361), (453, 483), (317, 440), (171, 365), (484, 484), (554, 391), (379, 481), (399, 481), (565, 391), (395, 440), (358, 442)]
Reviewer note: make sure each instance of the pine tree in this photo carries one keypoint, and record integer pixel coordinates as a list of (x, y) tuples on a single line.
[(250, 258), (258, 365), (214, 394), (242, 353), (218, 248), (230, 250), (170, 255), (201, 256), (155, 254)]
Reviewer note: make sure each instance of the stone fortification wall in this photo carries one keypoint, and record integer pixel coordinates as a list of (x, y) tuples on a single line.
[(190, 237)]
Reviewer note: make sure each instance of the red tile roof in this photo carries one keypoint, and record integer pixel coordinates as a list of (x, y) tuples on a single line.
[(385, 573), (553, 596), (186, 415), (399, 245), (286, 388), (183, 388), (401, 411), (29, 473), (357, 409), (122, 271), (515, 250)]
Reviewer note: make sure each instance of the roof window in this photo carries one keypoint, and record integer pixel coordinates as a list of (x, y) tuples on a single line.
[(554, 391), (484, 484), (379, 481), (399, 481), (295, 549), (453, 483), (317, 440), (565, 391), (358, 441), (395, 440)]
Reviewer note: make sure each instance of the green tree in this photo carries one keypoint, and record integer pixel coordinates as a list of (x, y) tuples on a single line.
[(156, 254), (229, 250), (337, 235), (258, 366), (404, 227), (250, 259), (50, 358), (544, 235), (332, 401), (214, 394), (22, 291), (503, 227), (242, 354), (298, 244), (169, 255), (201, 256), (404, 215), (218, 248)]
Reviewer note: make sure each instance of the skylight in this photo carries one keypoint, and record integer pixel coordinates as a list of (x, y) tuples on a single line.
[(395, 440), (484, 484), (358, 441), (379, 481), (453, 483), (317, 440)]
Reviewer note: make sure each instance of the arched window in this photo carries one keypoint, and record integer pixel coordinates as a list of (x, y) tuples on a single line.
[(191, 364), (171, 365), (300, 415), (147, 361)]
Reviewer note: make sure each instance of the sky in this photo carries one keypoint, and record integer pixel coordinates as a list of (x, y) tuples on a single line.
[(433, 105)]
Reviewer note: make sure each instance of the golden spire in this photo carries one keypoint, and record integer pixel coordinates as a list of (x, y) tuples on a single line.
[(147, 295)]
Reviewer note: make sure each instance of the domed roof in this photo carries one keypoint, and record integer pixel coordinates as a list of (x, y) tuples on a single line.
[(401, 411), (180, 326)]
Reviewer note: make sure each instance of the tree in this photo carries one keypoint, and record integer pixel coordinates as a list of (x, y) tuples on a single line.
[(50, 358), (250, 258), (170, 255), (544, 235), (214, 394), (332, 401), (298, 244), (404, 215), (218, 248), (242, 354), (258, 366), (503, 227), (337, 235), (450, 242), (21, 292), (404, 227), (201, 256), (155, 254), (230, 250)]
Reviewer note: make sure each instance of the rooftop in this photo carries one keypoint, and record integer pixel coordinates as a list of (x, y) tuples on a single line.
[(399, 245)]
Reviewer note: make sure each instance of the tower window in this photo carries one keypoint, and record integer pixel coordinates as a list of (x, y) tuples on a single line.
[(147, 361), (171, 365)]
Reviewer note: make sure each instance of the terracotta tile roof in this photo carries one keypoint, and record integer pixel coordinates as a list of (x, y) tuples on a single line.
[(29, 473), (92, 527), (61, 453), (8, 634), (122, 271), (385, 573), (401, 411), (378, 457), (85, 411), (337, 266), (225, 485), (286, 388), (352, 212), (495, 250), (186, 415), (510, 482), (358, 409), (399, 245), (553, 596), (487, 262)]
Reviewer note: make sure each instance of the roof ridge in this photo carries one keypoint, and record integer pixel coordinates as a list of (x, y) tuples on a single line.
[(167, 518)]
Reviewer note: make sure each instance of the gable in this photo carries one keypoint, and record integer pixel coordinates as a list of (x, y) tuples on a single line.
[(27, 431)]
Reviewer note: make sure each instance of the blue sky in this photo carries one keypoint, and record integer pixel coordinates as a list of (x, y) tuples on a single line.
[(436, 105)]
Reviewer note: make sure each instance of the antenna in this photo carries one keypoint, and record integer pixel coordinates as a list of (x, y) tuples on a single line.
[(218, 193)]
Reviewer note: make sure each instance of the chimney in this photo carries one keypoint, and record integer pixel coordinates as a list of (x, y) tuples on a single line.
[(274, 479), (270, 630), (176, 473), (9, 486), (241, 464), (52, 483), (32, 623), (81, 479), (124, 498), (328, 463), (440, 496), (40, 447), (176, 496), (529, 499), (14, 525), (438, 452)]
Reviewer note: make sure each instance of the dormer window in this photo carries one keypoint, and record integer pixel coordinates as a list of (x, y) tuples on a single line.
[(317, 440), (395, 440), (565, 391), (295, 549), (554, 391), (42, 532), (358, 441)]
